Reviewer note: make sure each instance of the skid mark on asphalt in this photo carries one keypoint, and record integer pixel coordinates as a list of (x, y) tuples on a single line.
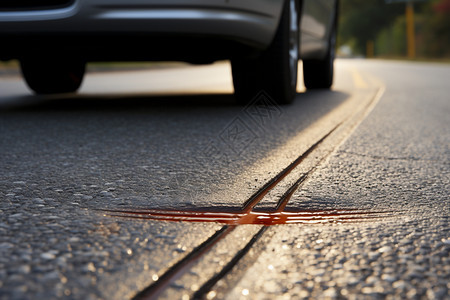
[(248, 215), (256, 218)]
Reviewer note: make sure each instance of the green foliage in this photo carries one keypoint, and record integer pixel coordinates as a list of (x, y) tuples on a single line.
[(375, 20), (362, 20), (434, 33), (391, 41)]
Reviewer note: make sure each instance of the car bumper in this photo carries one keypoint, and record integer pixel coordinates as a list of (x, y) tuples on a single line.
[(254, 22)]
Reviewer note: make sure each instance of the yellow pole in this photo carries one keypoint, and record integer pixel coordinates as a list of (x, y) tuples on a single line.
[(370, 51), (410, 31)]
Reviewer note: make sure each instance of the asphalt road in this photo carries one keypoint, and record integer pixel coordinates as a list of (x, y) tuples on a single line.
[(154, 183)]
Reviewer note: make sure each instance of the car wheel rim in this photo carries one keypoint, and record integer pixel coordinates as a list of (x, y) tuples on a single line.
[(293, 42)]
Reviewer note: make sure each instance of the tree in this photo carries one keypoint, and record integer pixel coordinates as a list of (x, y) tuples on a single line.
[(435, 31), (375, 20), (362, 20)]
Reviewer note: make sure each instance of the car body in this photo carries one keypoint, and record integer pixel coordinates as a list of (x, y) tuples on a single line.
[(196, 31)]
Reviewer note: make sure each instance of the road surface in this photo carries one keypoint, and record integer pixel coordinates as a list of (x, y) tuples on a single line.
[(153, 183)]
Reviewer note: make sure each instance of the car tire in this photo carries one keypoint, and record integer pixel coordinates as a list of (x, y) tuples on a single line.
[(52, 76), (319, 73), (273, 71)]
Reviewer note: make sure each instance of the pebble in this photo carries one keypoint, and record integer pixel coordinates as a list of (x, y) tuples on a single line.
[(15, 216), (388, 277), (373, 255), (106, 194), (74, 239), (400, 285), (317, 272), (352, 280), (89, 268), (372, 280), (24, 269), (51, 276), (385, 249), (6, 245), (48, 255), (330, 293)]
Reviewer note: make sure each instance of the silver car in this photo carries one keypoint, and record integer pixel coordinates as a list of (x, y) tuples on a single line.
[(263, 39)]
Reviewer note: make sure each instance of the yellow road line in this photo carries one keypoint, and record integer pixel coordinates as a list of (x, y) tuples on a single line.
[(358, 79)]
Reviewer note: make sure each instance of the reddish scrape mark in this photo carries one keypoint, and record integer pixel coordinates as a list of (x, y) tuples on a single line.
[(259, 218)]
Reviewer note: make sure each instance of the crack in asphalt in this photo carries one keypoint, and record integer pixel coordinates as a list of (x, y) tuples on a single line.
[(175, 272), (154, 290), (208, 286), (248, 216)]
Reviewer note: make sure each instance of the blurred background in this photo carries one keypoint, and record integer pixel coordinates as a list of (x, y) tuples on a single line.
[(395, 28)]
